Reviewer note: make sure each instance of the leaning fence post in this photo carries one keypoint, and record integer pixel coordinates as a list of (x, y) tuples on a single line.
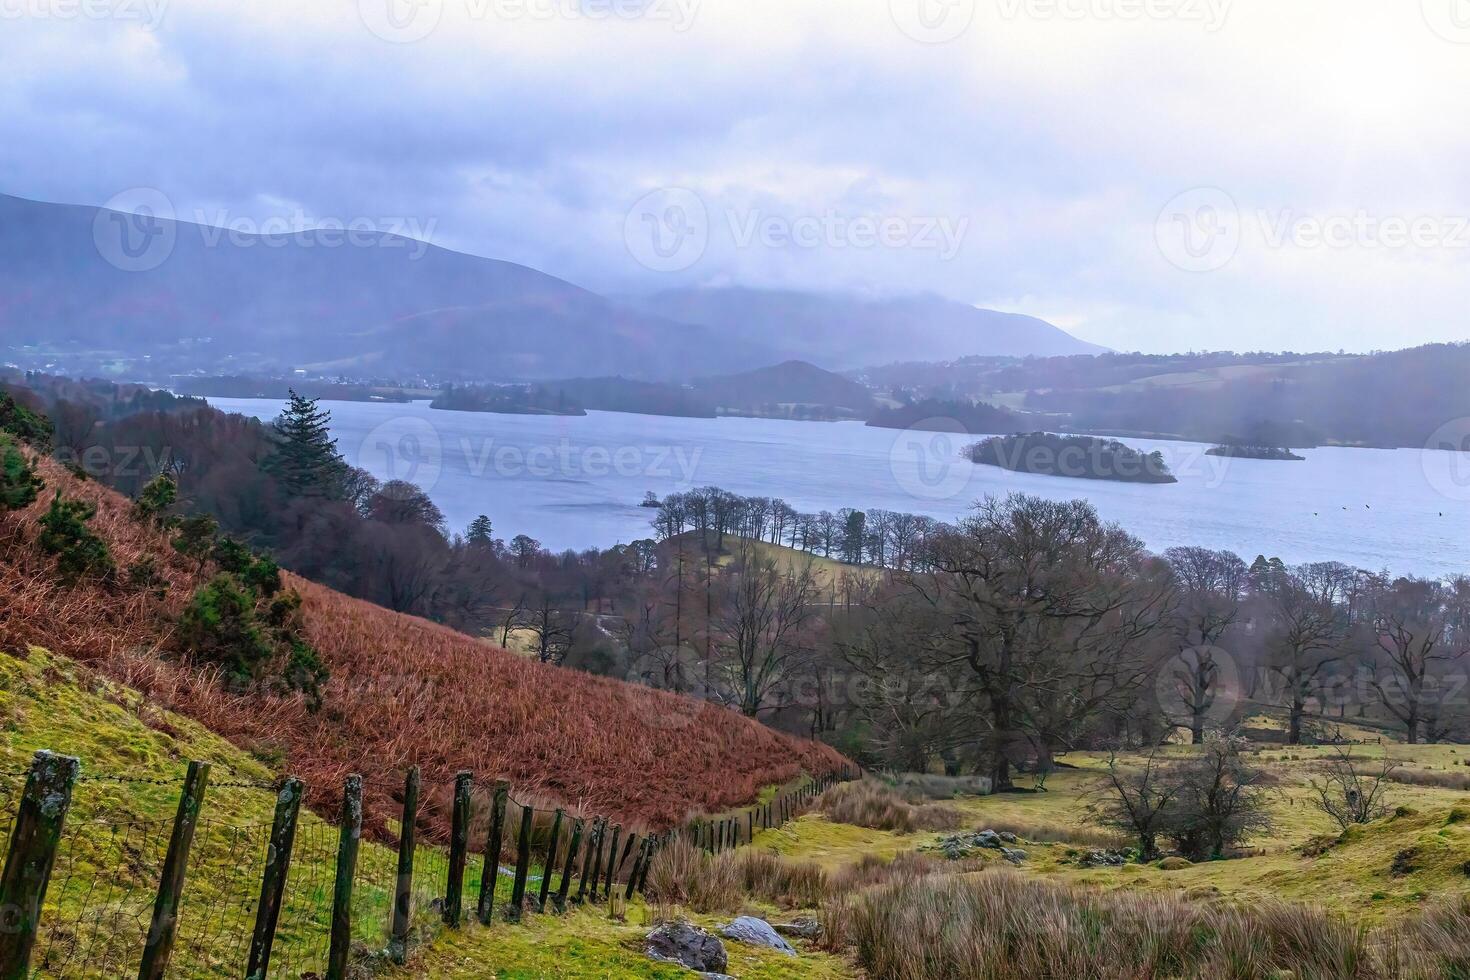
[(597, 826), (403, 886), (638, 863), (459, 845), (566, 874), (523, 866), (612, 856), (273, 881), (549, 869), (490, 877), (347, 846), (33, 844), (161, 931), (643, 875), (612, 876), (597, 861)]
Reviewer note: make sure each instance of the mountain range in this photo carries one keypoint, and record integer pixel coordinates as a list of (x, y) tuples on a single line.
[(83, 282)]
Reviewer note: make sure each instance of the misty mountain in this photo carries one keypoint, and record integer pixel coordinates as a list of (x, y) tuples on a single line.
[(93, 286), (381, 304), (843, 331)]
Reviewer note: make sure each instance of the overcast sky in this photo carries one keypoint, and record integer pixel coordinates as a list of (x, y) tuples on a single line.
[(1159, 175)]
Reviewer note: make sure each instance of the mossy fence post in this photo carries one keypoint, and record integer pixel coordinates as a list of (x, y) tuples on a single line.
[(33, 844), (347, 848), (638, 864), (491, 875), (273, 881), (459, 844), (566, 874), (548, 871), (159, 944), (514, 911), (403, 885)]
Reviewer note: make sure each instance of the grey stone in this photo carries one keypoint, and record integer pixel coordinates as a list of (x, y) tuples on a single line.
[(756, 932), (799, 928), (689, 946), (1013, 854)]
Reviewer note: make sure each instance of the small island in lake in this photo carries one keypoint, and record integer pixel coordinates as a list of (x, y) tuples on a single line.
[(1239, 451), (1081, 457), (506, 400)]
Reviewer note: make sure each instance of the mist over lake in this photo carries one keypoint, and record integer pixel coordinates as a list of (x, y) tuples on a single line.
[(576, 482)]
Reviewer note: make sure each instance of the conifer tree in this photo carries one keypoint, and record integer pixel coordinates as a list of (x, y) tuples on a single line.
[(480, 532), (306, 461)]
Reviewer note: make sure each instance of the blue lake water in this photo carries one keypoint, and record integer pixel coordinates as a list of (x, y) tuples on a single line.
[(577, 482)]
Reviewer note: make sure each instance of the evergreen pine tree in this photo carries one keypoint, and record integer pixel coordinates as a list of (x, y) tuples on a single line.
[(64, 533), (306, 461), (480, 532)]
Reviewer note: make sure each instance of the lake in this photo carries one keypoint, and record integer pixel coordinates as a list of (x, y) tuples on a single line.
[(576, 482)]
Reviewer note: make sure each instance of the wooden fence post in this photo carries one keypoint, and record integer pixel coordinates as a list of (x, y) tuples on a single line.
[(597, 863), (347, 847), (273, 880), (159, 944), (523, 867), (32, 855), (549, 869), (627, 849), (491, 875), (612, 856), (566, 874), (643, 875), (403, 886), (597, 825), (638, 866), (459, 845)]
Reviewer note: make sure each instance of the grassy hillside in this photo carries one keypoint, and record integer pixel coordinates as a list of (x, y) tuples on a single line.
[(403, 691)]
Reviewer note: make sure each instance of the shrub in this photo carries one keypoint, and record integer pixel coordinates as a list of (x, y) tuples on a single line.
[(19, 484), (23, 423), (155, 499), (1175, 863), (253, 637), (64, 533), (196, 538), (872, 804)]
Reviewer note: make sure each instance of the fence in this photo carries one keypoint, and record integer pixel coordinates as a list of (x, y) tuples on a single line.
[(108, 894)]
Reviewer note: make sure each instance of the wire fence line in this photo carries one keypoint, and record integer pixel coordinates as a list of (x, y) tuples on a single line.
[(97, 883)]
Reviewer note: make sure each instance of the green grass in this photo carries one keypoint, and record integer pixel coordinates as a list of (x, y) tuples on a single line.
[(99, 904)]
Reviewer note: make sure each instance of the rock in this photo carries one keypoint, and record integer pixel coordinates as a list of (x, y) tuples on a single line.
[(988, 839), (809, 928), (1008, 837), (1013, 854), (1103, 859), (756, 932), (1174, 863), (689, 946)]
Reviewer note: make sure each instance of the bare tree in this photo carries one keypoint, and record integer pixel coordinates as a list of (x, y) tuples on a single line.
[(1410, 624), (554, 628), (1352, 790), (1138, 800), (762, 620), (1211, 585), (1222, 800), (1309, 633)]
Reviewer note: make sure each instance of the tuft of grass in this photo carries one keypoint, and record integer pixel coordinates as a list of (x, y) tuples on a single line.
[(877, 806)]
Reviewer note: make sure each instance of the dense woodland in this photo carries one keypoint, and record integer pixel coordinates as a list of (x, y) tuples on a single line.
[(989, 645)]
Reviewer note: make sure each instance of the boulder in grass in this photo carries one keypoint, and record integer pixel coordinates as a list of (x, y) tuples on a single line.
[(756, 932), (689, 946), (805, 928)]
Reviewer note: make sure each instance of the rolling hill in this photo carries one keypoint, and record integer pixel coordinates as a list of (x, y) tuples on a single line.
[(845, 331), (402, 691)]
